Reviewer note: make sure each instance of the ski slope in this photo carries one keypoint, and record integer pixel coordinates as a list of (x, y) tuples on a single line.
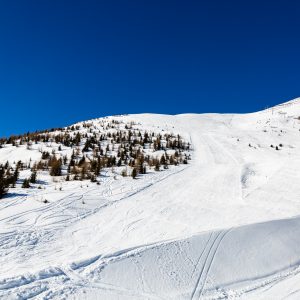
[(225, 226)]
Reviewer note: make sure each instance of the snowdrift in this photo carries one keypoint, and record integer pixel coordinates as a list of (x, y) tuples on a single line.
[(212, 265)]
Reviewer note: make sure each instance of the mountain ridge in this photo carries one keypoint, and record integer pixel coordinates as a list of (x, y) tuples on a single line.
[(211, 219)]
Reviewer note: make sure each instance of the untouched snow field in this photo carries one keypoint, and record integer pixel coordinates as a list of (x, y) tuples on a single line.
[(225, 226)]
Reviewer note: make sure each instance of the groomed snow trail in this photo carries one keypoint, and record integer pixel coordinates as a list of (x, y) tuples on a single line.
[(206, 230)]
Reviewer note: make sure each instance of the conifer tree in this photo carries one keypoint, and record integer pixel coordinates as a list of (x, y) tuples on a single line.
[(26, 184), (15, 177), (3, 183), (134, 173), (55, 167), (33, 177), (157, 166)]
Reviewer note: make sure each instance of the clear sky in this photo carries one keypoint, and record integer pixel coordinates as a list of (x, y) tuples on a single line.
[(66, 61)]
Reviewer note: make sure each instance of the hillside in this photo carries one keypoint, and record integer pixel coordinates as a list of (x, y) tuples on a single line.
[(211, 213)]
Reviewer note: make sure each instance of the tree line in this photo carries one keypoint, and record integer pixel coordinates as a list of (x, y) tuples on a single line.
[(93, 150)]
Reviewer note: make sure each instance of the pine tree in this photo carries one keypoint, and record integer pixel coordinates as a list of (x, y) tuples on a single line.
[(14, 177), (3, 183), (134, 173), (124, 173), (33, 177), (55, 167), (157, 166), (83, 174), (93, 178), (26, 184), (77, 139), (162, 160)]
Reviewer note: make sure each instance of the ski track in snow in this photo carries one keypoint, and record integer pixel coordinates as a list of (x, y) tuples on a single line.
[(211, 252)]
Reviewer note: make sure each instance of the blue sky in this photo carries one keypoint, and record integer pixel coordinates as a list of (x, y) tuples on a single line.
[(66, 61)]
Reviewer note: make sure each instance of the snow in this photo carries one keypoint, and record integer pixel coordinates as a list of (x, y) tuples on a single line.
[(225, 226)]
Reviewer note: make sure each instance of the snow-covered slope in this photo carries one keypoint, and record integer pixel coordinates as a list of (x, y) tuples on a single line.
[(223, 226)]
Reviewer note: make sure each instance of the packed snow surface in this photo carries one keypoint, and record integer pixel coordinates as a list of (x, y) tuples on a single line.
[(224, 226)]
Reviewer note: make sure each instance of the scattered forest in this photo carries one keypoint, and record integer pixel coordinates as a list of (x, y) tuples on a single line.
[(82, 151)]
